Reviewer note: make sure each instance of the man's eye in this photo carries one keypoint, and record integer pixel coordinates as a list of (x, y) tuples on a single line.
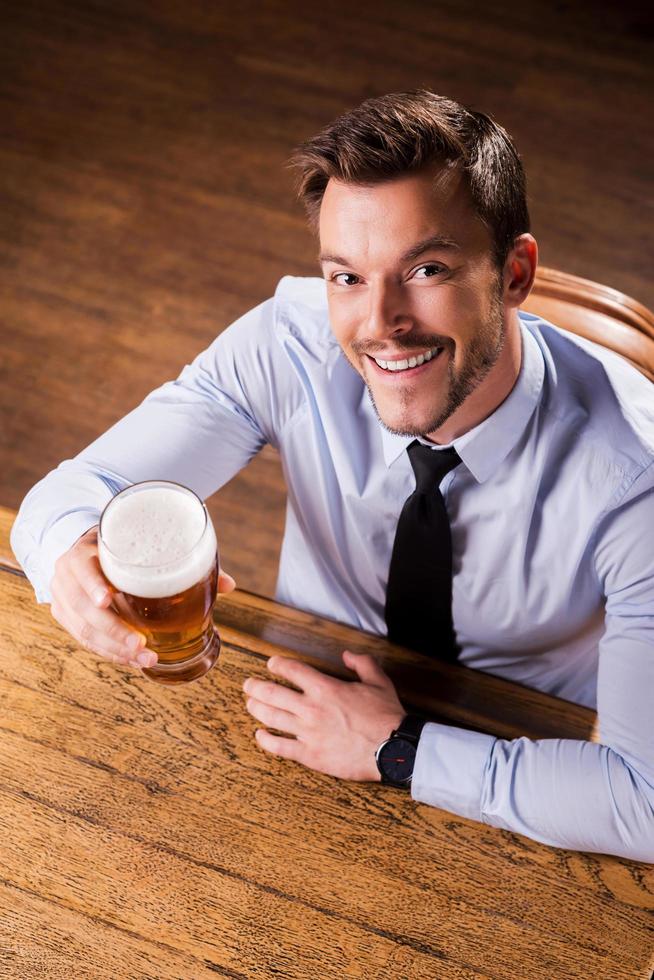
[(341, 277), (430, 270)]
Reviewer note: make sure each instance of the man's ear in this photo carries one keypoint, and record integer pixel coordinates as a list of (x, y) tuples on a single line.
[(520, 269)]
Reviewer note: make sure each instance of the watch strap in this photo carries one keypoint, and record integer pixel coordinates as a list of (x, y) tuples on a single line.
[(411, 727)]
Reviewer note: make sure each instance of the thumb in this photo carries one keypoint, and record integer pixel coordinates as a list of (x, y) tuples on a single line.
[(366, 668), (225, 582)]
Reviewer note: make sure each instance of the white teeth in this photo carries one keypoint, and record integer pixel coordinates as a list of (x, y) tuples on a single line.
[(410, 363)]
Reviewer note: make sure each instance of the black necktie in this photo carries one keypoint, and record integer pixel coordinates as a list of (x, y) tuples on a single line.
[(419, 591)]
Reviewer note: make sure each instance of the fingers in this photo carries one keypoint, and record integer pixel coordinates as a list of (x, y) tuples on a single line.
[(81, 597), (225, 582), (83, 563), (366, 668), (301, 675), (276, 718), (273, 694), (273, 705), (285, 748), (104, 633)]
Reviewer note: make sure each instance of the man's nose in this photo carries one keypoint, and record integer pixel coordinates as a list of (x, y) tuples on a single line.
[(387, 311)]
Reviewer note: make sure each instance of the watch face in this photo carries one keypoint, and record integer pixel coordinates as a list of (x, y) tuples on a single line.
[(396, 759)]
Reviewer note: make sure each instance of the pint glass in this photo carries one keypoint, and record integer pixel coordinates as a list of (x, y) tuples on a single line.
[(157, 547)]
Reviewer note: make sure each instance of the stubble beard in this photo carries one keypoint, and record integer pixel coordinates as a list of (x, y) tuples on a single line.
[(481, 356)]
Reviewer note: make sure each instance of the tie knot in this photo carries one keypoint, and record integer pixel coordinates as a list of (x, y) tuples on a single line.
[(431, 465)]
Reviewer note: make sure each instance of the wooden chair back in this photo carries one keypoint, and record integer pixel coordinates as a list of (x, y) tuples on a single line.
[(596, 312)]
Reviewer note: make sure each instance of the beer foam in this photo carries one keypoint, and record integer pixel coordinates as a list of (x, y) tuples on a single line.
[(153, 543)]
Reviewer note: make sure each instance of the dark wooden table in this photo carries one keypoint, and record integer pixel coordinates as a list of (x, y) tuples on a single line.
[(144, 834)]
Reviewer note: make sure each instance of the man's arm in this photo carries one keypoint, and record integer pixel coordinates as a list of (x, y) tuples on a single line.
[(580, 795), (198, 430), (592, 796)]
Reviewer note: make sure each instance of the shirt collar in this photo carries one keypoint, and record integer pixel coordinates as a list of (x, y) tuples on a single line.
[(486, 445)]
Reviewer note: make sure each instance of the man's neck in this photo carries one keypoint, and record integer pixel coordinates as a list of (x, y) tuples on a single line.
[(494, 389)]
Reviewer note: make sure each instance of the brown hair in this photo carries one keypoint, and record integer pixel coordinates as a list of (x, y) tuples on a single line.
[(394, 134)]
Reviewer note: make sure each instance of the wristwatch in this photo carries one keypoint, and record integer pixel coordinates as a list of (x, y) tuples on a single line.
[(397, 755)]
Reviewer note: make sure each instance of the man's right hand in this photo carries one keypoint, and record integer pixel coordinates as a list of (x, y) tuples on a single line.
[(81, 600)]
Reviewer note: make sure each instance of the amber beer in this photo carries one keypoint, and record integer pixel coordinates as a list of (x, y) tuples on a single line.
[(157, 547)]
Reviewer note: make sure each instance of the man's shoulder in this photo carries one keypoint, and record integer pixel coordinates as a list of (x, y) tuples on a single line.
[(301, 310), (295, 318), (597, 393), (306, 291)]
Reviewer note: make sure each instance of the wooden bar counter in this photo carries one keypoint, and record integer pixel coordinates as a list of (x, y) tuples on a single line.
[(145, 835)]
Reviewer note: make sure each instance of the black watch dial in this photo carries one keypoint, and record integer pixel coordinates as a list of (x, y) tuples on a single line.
[(396, 759)]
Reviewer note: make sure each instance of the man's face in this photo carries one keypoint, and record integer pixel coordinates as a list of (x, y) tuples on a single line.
[(410, 275)]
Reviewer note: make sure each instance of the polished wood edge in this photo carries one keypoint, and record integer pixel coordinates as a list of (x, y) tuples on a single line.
[(594, 296), (261, 628), (8, 561)]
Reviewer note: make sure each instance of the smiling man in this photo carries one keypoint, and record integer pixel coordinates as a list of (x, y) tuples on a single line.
[(417, 303), (465, 478)]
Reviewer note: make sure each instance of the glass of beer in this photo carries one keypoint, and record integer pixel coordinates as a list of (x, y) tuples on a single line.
[(157, 547)]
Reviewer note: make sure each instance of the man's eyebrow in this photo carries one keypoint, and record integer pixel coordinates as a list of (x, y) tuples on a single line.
[(433, 242)]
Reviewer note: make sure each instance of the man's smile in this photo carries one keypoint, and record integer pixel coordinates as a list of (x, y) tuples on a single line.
[(403, 368)]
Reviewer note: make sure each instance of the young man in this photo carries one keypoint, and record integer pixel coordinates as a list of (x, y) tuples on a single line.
[(472, 481)]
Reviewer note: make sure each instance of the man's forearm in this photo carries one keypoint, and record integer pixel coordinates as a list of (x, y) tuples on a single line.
[(571, 794)]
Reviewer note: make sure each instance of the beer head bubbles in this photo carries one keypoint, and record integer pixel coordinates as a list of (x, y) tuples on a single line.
[(156, 540)]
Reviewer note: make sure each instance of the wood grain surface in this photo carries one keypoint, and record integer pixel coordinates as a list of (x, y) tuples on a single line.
[(146, 203), (146, 836), (260, 626)]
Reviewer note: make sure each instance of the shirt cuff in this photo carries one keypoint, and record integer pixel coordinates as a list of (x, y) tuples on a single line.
[(450, 768), (57, 540)]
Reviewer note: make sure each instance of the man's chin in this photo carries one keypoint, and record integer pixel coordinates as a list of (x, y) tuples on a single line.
[(405, 428), (406, 419), (407, 423)]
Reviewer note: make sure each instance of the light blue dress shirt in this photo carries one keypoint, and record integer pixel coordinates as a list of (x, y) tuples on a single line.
[(552, 517)]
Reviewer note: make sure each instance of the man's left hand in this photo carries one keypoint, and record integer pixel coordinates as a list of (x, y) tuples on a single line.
[(337, 725)]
